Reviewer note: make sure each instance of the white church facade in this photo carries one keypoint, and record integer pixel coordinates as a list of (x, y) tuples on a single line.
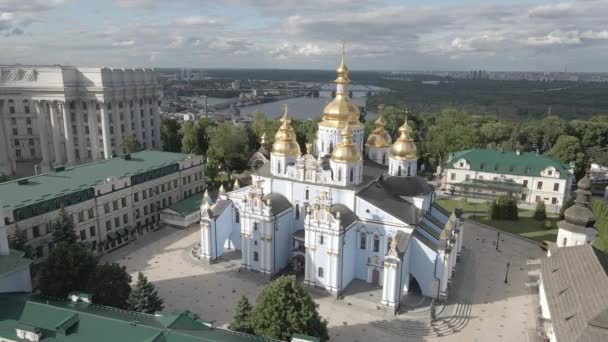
[(343, 210)]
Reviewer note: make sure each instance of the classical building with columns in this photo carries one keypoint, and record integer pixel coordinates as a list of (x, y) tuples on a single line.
[(56, 115), (338, 213)]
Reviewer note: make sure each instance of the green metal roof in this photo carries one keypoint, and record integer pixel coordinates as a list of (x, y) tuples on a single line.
[(14, 261), (189, 205), (73, 179), (492, 184), (96, 323), (509, 162)]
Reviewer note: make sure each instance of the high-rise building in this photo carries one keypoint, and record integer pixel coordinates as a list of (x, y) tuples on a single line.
[(63, 115)]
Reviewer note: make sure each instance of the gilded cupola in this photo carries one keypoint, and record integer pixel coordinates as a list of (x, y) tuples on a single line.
[(379, 137), (341, 110), (285, 142), (346, 151), (404, 147)]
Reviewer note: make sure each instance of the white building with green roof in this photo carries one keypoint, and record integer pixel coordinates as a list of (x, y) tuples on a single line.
[(488, 173), (110, 201)]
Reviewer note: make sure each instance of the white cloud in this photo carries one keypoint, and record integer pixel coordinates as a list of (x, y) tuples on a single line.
[(197, 20), (124, 43)]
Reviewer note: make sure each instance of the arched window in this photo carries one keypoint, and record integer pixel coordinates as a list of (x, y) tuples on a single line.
[(565, 241), (383, 157), (255, 256), (352, 175), (297, 211), (399, 171), (321, 239), (307, 194), (278, 167), (339, 175), (237, 217), (388, 243), (376, 243), (331, 147), (409, 169), (320, 272), (363, 241)]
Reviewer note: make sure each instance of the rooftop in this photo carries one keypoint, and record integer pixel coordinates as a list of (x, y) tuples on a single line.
[(59, 320), (509, 162), (188, 205), (14, 261), (51, 185)]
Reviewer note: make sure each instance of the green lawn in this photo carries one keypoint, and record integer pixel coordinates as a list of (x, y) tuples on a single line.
[(526, 226)]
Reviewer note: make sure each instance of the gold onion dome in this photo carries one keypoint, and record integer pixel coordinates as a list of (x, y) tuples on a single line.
[(379, 137), (404, 147), (285, 142), (341, 110), (346, 151)]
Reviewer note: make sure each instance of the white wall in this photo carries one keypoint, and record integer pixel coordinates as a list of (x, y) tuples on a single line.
[(18, 281)]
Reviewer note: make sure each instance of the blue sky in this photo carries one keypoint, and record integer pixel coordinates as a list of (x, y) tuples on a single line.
[(540, 35)]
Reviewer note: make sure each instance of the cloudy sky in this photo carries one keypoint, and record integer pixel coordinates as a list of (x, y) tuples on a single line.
[(541, 35)]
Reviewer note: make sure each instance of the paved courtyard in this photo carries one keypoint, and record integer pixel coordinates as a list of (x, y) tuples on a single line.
[(482, 307)]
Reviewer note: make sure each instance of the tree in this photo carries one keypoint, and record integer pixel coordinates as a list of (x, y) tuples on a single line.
[(109, 285), (285, 308), (568, 149), (262, 124), (144, 298), (242, 317), (67, 269), (202, 127), (63, 228), (600, 211), (169, 135), (228, 147), (567, 204), (131, 144), (493, 210), (189, 138), (540, 212)]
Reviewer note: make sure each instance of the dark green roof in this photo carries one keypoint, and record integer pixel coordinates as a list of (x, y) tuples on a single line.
[(189, 205), (73, 179), (66, 321), (14, 261), (509, 162)]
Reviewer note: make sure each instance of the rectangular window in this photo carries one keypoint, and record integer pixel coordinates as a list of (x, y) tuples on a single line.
[(467, 177), (91, 213), (108, 225), (144, 194), (81, 216), (523, 197), (39, 250), (115, 204), (83, 235), (125, 219), (106, 208), (124, 202), (255, 256), (363, 241), (175, 183), (146, 210), (28, 121), (169, 186), (554, 200), (525, 183), (376, 244), (539, 185), (453, 176), (320, 272), (35, 231), (136, 213), (321, 239), (27, 111), (136, 197), (92, 231), (556, 187), (162, 187), (116, 222)]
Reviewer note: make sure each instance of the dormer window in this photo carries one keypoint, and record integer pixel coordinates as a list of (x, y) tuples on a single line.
[(461, 164), (550, 172)]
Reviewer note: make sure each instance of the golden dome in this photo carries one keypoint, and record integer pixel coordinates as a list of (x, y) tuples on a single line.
[(404, 147), (379, 137), (346, 151), (285, 143)]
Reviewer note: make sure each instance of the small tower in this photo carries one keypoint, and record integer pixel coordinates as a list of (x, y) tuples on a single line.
[(285, 149), (577, 228), (346, 161), (378, 143), (403, 160)]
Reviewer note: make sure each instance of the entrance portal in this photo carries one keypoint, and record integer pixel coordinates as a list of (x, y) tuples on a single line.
[(414, 287), (375, 277)]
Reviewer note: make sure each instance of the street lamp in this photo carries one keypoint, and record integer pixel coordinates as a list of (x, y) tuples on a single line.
[(507, 274)]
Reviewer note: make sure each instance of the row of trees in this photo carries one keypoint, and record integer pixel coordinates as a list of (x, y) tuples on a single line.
[(283, 308), (72, 267)]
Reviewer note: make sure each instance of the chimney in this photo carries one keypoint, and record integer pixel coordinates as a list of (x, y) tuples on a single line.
[(517, 152)]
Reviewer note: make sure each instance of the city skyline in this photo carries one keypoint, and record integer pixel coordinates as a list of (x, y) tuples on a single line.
[(380, 35)]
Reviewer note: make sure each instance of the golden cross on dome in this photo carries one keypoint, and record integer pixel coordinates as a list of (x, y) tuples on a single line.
[(343, 43)]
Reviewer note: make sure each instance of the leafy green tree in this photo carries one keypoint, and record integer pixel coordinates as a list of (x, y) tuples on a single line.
[(493, 210), (262, 124), (285, 308), (67, 269), (189, 138), (169, 135), (19, 242), (242, 317), (567, 204), (110, 285), (202, 127), (131, 144), (540, 212), (568, 149), (306, 131), (63, 228), (228, 147), (144, 297), (600, 211)]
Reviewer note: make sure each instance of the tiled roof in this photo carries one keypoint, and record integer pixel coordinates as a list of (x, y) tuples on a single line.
[(95, 323), (576, 286), (72, 179), (509, 162)]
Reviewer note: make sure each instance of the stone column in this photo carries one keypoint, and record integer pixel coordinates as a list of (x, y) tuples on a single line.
[(68, 134), (117, 132), (82, 146), (5, 158), (43, 131), (93, 128), (105, 131), (59, 152), (137, 119), (156, 116)]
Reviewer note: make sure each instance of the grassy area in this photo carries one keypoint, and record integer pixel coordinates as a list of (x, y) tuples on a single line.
[(526, 226)]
